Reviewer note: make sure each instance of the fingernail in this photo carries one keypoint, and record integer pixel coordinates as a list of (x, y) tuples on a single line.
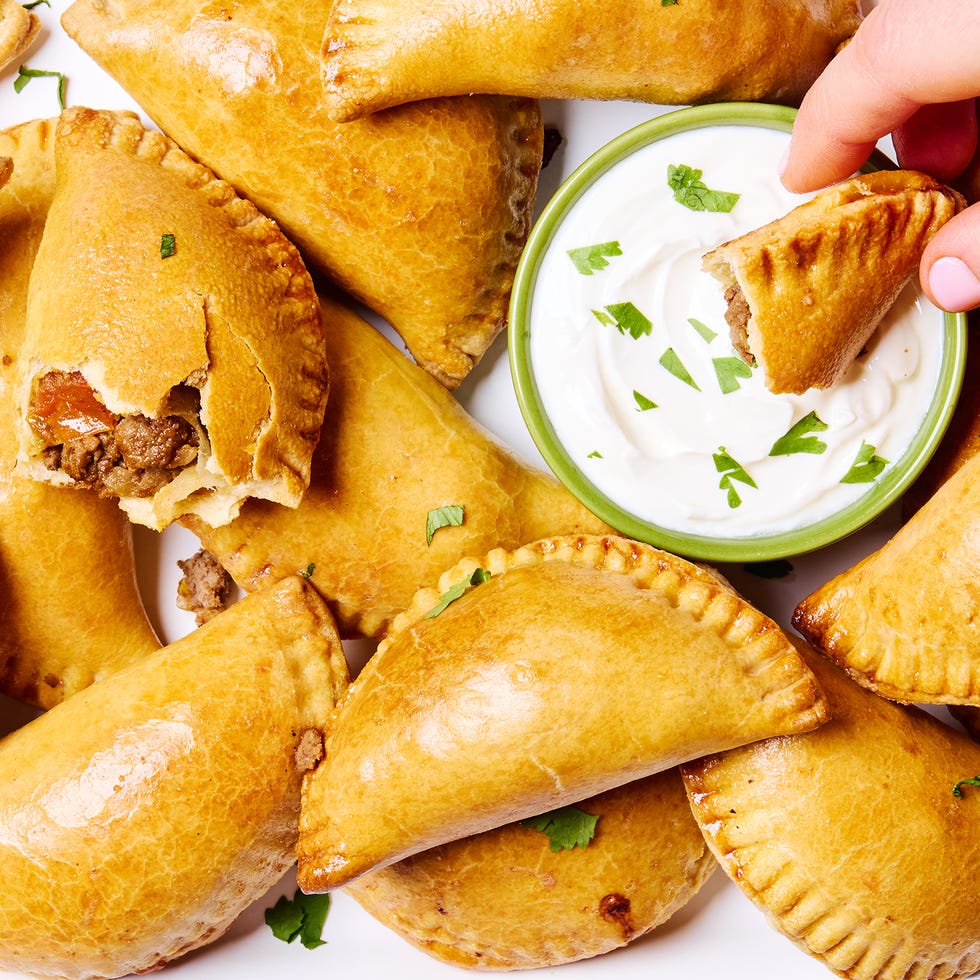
[(953, 285)]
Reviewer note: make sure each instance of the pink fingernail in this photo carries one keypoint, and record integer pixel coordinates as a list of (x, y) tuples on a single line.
[(954, 285)]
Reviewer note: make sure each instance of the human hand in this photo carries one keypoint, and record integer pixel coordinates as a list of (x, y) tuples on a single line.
[(911, 70)]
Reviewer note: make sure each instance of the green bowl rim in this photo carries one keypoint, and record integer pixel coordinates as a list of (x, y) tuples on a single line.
[(750, 548)]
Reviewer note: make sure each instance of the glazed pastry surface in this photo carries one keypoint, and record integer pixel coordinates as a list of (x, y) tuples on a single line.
[(850, 838), (812, 286), (381, 53), (463, 720), (421, 213)]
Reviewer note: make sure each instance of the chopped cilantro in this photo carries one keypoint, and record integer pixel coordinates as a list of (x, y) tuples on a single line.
[(693, 193), (668, 3), (448, 516), (706, 333), (24, 75), (731, 470), (867, 466), (728, 371), (35, 3), (675, 365), (958, 788), (454, 592), (626, 318), (800, 439), (595, 454), (592, 258), (643, 404), (168, 245), (310, 569), (566, 828), (301, 917)]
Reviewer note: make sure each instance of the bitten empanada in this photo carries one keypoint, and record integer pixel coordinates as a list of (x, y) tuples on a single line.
[(468, 717), (381, 53), (507, 900), (806, 291), (174, 356), (72, 611), (421, 214), (851, 839), (19, 26), (905, 621), (395, 446), (141, 816)]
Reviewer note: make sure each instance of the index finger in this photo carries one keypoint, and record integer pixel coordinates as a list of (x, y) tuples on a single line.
[(906, 54)]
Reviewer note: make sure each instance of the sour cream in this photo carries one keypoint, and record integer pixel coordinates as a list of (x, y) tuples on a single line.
[(633, 364)]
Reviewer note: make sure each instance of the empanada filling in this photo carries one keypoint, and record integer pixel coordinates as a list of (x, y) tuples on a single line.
[(116, 455), (737, 316)]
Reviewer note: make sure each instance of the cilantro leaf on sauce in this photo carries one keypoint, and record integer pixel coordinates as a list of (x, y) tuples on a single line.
[(301, 917), (566, 828), (672, 363), (691, 191), (800, 439), (593, 258), (867, 466), (626, 318), (728, 370), (448, 516), (731, 470), (643, 404), (456, 591), (703, 330)]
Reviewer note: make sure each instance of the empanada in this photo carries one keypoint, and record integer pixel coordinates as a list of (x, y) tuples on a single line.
[(905, 621), (507, 900), (851, 839), (576, 666), (395, 446), (174, 349), (381, 53), (421, 214), (806, 291), (18, 29), (72, 612), (141, 816)]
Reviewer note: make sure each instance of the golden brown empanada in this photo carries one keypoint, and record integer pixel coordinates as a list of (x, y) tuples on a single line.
[(421, 213), (18, 29), (381, 53), (905, 621), (395, 446), (72, 612), (851, 839), (141, 816), (174, 349), (806, 291), (469, 715), (505, 900)]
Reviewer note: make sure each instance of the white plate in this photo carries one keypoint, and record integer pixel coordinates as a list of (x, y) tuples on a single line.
[(720, 934)]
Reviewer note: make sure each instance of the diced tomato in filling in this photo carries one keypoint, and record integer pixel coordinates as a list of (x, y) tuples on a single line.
[(65, 407)]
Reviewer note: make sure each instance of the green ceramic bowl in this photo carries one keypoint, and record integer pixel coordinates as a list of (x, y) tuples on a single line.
[(729, 543)]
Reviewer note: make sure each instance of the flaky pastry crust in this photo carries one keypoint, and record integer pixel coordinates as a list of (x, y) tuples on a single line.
[(421, 213), (819, 280), (229, 320), (504, 900), (850, 838), (141, 816), (462, 720), (18, 29), (905, 621)]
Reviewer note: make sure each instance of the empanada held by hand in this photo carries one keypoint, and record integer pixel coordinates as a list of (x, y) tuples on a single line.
[(576, 664), (421, 213), (174, 350), (395, 446), (851, 839), (381, 53), (905, 621), (141, 816), (72, 612), (507, 900), (806, 291)]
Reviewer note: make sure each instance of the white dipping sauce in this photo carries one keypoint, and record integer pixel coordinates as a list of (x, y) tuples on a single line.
[(659, 463)]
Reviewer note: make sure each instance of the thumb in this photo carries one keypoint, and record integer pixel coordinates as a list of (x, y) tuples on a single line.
[(950, 266)]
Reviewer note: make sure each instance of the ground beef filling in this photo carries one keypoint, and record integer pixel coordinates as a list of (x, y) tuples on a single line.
[(737, 316), (205, 587), (135, 459)]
